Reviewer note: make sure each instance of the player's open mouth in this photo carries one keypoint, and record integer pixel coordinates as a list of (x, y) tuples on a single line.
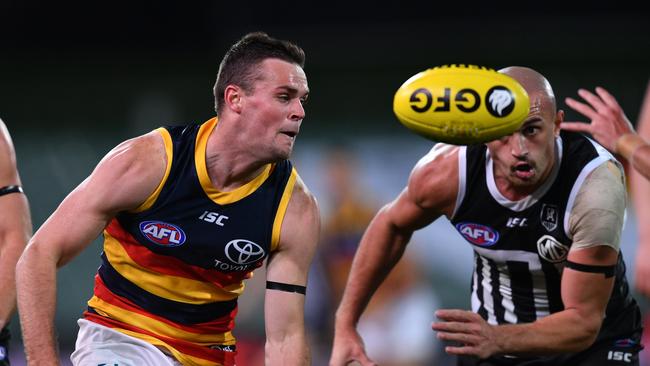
[(290, 133), (523, 170)]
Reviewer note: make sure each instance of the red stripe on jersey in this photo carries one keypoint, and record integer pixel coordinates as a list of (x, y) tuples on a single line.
[(220, 325), (188, 348), (169, 265)]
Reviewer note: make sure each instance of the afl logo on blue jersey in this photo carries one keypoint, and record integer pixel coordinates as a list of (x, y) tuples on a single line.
[(162, 233), (477, 234)]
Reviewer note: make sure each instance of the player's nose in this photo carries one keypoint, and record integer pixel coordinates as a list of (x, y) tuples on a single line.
[(297, 111)]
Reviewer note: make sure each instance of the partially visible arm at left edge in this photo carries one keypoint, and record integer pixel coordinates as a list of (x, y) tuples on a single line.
[(286, 341), (15, 227)]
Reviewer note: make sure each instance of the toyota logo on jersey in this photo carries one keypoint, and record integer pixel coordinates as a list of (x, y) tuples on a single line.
[(481, 235), (242, 251), (162, 233)]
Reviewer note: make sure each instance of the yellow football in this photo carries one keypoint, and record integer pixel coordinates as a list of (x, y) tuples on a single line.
[(461, 104)]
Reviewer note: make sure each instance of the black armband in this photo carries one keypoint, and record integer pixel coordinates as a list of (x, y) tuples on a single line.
[(608, 271), (286, 287), (4, 346), (10, 189)]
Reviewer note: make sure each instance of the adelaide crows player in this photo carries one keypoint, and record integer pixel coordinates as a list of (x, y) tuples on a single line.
[(543, 212), (187, 214)]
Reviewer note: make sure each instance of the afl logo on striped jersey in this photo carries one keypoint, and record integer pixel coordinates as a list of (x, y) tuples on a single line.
[(162, 233), (477, 234)]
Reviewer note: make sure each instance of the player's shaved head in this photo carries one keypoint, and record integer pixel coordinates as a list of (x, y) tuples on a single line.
[(536, 85)]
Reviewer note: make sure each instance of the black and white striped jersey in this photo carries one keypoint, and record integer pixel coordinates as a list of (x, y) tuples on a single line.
[(521, 246)]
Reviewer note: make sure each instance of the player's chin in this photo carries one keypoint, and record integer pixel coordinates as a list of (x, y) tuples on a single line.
[(284, 152)]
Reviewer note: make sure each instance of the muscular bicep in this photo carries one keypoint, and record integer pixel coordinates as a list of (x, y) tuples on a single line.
[(596, 221), (586, 289), (289, 264), (431, 191), (121, 181), (298, 238), (15, 222)]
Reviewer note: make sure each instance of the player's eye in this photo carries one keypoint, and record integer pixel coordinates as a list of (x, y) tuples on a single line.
[(530, 130)]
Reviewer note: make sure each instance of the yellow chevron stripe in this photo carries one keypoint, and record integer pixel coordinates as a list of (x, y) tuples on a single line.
[(169, 150), (173, 288), (155, 326), (215, 195), (282, 209)]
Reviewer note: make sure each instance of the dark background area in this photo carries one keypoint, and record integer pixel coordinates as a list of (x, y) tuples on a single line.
[(77, 78), (76, 65)]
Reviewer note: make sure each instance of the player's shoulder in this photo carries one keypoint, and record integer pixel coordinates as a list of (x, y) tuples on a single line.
[(607, 175), (435, 176), (440, 161), (137, 155), (302, 196), (6, 144)]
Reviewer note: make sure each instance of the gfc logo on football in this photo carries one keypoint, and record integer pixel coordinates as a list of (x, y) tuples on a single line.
[(499, 101)]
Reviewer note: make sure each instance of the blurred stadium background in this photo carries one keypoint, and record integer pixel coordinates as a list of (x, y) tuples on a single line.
[(78, 78)]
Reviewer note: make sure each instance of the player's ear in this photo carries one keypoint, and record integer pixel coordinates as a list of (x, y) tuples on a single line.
[(232, 96), (559, 118)]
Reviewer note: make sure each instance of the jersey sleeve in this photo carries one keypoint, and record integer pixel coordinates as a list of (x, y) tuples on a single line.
[(598, 212)]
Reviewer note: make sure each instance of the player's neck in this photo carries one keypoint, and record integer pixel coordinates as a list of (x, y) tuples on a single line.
[(230, 163)]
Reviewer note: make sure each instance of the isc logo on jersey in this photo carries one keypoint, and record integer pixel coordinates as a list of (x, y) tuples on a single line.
[(477, 234), (162, 233)]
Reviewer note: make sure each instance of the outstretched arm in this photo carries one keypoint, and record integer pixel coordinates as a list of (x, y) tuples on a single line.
[(611, 128), (138, 165), (284, 303), (430, 193), (15, 225)]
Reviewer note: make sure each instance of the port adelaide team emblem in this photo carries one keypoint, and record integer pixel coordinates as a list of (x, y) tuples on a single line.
[(549, 216)]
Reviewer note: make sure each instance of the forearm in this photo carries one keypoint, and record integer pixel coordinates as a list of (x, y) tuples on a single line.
[(36, 290), (641, 161), (292, 349), (562, 332), (636, 150), (9, 254), (381, 247)]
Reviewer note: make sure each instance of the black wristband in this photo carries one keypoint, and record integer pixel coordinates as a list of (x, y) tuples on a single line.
[(10, 189), (286, 287), (608, 271)]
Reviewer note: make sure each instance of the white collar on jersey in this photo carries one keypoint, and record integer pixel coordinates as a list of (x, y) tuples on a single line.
[(531, 199)]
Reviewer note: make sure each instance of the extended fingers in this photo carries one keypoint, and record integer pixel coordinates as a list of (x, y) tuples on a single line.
[(608, 98), (456, 315), (576, 126), (464, 338), (582, 108), (462, 350), (593, 100)]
